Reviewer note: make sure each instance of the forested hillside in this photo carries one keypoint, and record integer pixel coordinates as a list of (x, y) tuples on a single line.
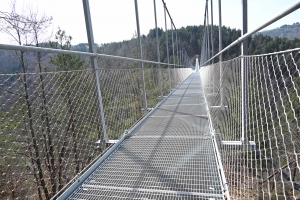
[(190, 37), (265, 44), (287, 31)]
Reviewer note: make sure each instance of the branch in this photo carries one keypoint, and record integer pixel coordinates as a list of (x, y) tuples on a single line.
[(278, 170), (10, 92)]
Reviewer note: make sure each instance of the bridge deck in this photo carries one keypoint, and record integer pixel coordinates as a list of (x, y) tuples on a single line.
[(169, 156)]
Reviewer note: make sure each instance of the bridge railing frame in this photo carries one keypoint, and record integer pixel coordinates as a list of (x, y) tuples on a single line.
[(206, 60), (183, 61)]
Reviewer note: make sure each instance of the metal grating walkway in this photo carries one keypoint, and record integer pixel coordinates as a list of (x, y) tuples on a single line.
[(169, 156)]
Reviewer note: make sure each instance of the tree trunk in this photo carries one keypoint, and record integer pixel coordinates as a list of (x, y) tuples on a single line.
[(35, 175), (33, 136), (72, 120), (45, 113)]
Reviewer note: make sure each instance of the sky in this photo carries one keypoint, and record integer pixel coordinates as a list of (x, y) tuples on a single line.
[(114, 20)]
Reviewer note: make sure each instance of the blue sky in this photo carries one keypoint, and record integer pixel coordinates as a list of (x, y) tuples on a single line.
[(114, 20)]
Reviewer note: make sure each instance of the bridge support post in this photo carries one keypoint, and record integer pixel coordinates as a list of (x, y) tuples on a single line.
[(167, 45), (212, 31), (141, 54), (173, 52), (221, 106), (203, 47), (180, 76), (177, 50), (244, 51), (89, 30), (179, 45), (212, 44), (221, 56), (158, 53), (207, 31), (182, 56)]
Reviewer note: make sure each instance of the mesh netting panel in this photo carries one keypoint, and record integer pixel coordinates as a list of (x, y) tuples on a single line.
[(269, 167), (50, 122), (49, 125)]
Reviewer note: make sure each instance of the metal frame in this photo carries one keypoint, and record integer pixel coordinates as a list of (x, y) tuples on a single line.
[(274, 53), (221, 56), (157, 47), (217, 153), (221, 106), (212, 30), (173, 50), (141, 54), (207, 30), (238, 145), (167, 45), (180, 52), (202, 56), (244, 51), (212, 43), (177, 49), (169, 15), (77, 53), (89, 31), (280, 15)]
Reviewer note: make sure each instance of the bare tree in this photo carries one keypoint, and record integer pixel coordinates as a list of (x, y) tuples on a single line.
[(26, 29)]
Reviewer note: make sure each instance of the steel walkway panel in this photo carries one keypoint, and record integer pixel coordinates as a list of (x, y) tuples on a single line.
[(169, 156), (181, 125), (192, 99)]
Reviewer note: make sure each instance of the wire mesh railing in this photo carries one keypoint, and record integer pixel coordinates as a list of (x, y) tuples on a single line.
[(50, 120), (265, 165)]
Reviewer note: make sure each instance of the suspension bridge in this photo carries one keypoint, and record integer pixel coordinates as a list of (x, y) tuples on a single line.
[(217, 130)]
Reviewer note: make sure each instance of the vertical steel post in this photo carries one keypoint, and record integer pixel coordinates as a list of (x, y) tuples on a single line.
[(212, 44), (184, 58), (208, 42), (204, 36), (173, 51), (220, 31), (212, 31), (178, 67), (220, 57), (202, 58), (177, 50), (180, 51), (244, 51), (182, 61), (206, 52), (207, 46), (203, 47), (89, 31), (167, 45), (141, 54), (157, 47), (181, 57)]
